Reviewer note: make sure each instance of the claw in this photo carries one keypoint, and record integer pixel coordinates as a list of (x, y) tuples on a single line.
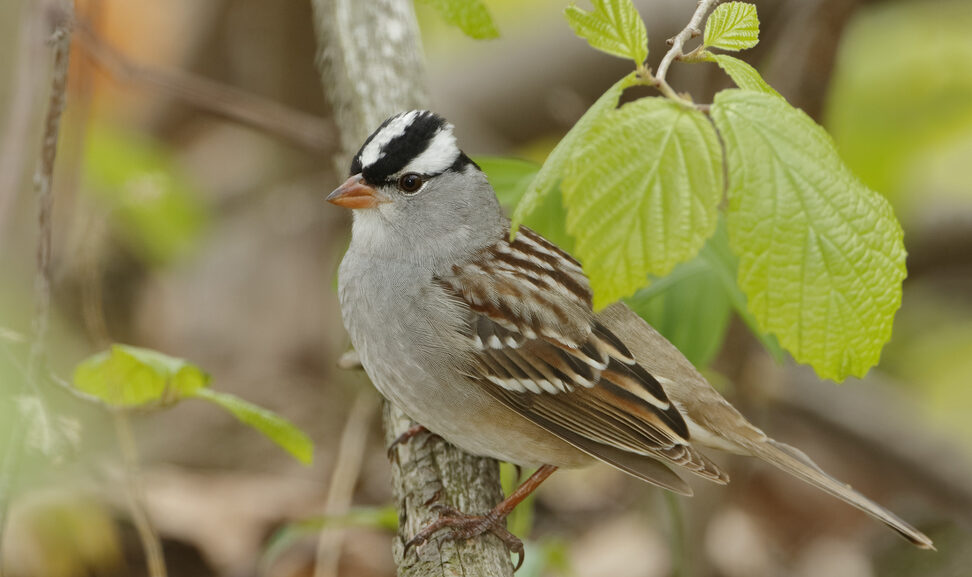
[(463, 526), (410, 432)]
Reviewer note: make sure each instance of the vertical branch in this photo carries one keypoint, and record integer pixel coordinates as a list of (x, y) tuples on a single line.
[(371, 66), (60, 18), (43, 187)]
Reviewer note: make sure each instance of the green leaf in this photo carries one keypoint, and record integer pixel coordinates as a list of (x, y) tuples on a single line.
[(125, 376), (273, 426), (510, 178), (152, 204), (692, 305), (553, 168), (642, 191), (470, 16), (821, 256), (744, 75), (614, 26), (732, 26), (689, 307), (718, 255)]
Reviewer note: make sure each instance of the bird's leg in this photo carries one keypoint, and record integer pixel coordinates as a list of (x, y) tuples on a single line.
[(464, 526), (405, 437)]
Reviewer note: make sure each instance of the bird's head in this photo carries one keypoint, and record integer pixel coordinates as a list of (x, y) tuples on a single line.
[(413, 191)]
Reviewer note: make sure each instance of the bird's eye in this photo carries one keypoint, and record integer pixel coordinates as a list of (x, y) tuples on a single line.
[(410, 182)]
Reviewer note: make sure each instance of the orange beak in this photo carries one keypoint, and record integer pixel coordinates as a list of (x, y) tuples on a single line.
[(354, 193)]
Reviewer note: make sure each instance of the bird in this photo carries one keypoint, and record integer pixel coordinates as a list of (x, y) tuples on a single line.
[(489, 340)]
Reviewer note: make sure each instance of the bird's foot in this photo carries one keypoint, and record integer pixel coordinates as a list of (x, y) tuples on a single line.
[(405, 437), (463, 526)]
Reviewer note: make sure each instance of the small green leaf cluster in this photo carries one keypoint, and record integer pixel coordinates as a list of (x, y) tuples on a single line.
[(127, 377), (470, 16), (614, 27), (809, 256)]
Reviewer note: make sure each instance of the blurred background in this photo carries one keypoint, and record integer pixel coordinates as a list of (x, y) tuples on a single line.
[(195, 152)]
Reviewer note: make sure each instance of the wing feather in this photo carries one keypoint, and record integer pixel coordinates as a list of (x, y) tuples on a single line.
[(538, 348)]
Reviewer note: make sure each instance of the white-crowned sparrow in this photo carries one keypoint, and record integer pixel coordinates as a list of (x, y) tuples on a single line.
[(492, 344)]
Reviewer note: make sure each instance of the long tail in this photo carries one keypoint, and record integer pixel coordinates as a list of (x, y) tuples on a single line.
[(798, 464)]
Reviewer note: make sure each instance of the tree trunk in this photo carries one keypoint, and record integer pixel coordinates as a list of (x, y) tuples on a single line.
[(371, 66)]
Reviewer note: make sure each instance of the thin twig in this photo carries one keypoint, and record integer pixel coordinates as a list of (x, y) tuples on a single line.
[(692, 30), (43, 186), (678, 42), (136, 498), (305, 130), (347, 468), (60, 16)]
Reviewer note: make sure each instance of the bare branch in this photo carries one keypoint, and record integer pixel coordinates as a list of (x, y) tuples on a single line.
[(43, 187), (693, 30), (304, 130), (60, 18)]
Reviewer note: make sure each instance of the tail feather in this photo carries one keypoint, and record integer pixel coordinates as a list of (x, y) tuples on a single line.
[(798, 464)]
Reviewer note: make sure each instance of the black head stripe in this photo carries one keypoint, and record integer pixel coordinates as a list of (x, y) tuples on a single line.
[(400, 150), (462, 161), (356, 161)]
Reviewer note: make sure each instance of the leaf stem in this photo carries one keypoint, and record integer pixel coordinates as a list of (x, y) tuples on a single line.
[(136, 497)]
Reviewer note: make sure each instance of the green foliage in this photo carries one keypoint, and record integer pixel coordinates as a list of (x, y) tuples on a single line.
[(614, 26), (511, 178), (732, 26), (151, 203), (902, 86), (470, 16), (555, 165), (126, 377), (821, 255), (692, 305), (641, 192), (744, 75), (273, 426)]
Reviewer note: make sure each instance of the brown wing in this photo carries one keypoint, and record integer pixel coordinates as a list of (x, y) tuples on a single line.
[(539, 348)]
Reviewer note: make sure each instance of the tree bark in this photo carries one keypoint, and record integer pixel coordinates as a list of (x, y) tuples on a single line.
[(371, 65)]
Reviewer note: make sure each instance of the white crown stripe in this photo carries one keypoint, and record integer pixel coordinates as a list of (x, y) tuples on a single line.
[(372, 152), (440, 154)]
